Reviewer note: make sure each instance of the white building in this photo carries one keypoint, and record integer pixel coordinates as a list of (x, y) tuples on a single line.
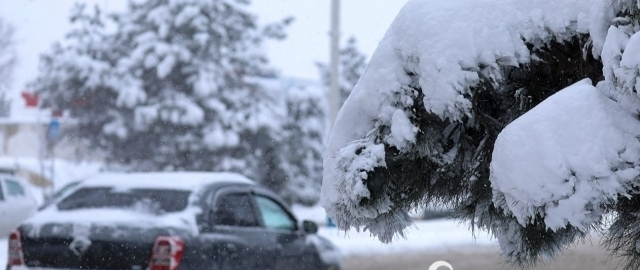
[(27, 148)]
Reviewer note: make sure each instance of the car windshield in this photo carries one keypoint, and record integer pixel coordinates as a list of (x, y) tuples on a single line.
[(64, 190), (156, 201)]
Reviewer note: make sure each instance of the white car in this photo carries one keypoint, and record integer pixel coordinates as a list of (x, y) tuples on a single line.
[(16, 203)]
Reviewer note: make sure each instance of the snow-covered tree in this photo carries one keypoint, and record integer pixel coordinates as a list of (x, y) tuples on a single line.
[(302, 150), (351, 66), (7, 62), (495, 113), (172, 85)]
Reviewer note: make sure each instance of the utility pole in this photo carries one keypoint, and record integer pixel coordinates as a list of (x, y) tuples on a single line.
[(334, 94)]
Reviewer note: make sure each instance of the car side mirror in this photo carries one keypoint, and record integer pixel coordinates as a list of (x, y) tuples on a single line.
[(309, 227)]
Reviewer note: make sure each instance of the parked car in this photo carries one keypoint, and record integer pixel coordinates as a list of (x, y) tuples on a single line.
[(59, 194), (16, 203), (169, 221)]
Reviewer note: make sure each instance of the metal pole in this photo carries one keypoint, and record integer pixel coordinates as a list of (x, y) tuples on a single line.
[(334, 95)]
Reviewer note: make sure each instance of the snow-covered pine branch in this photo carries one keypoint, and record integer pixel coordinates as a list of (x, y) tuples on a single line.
[(447, 100)]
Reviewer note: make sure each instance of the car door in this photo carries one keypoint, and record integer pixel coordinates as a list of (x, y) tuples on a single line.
[(239, 242), (282, 230), (22, 201)]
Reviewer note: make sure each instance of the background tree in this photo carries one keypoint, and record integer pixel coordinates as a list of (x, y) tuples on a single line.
[(304, 127), (351, 65), (307, 115), (7, 63), (172, 85)]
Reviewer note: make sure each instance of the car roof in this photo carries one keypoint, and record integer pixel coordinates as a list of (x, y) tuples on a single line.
[(165, 180)]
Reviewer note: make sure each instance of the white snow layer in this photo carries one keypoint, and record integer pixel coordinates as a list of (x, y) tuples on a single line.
[(565, 157), (444, 48), (85, 218)]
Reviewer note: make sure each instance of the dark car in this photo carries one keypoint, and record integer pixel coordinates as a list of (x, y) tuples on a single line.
[(59, 194), (168, 221)]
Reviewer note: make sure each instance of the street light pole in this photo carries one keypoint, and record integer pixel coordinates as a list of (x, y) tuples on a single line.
[(334, 94)]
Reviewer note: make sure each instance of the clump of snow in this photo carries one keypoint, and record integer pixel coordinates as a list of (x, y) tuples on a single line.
[(355, 160), (566, 157), (629, 70), (602, 12), (402, 131), (620, 56), (218, 137), (116, 127), (131, 93)]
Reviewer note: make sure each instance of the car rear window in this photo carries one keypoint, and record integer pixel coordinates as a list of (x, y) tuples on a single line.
[(155, 201)]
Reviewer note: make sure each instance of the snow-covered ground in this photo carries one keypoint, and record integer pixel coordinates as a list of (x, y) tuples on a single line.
[(438, 235), (435, 235), (314, 213)]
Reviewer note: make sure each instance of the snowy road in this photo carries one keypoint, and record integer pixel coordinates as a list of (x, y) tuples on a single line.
[(582, 257)]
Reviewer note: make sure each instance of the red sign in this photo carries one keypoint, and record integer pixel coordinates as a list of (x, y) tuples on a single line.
[(30, 99)]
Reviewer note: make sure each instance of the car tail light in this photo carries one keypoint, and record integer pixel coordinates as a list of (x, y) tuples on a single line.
[(167, 253), (15, 250)]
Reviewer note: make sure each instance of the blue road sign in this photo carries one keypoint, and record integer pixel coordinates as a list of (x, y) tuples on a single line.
[(54, 129)]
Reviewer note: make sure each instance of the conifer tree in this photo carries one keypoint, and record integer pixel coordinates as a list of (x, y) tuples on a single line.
[(304, 127), (351, 66), (172, 85), (7, 62)]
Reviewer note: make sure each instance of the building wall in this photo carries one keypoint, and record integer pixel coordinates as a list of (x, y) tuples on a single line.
[(28, 140), (24, 140)]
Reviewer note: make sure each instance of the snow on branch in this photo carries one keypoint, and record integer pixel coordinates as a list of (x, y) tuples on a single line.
[(443, 114)]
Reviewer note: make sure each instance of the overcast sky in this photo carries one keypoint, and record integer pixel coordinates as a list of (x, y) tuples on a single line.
[(39, 23)]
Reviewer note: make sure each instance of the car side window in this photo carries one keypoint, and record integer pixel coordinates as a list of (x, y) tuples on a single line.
[(234, 209), (14, 188), (273, 214)]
